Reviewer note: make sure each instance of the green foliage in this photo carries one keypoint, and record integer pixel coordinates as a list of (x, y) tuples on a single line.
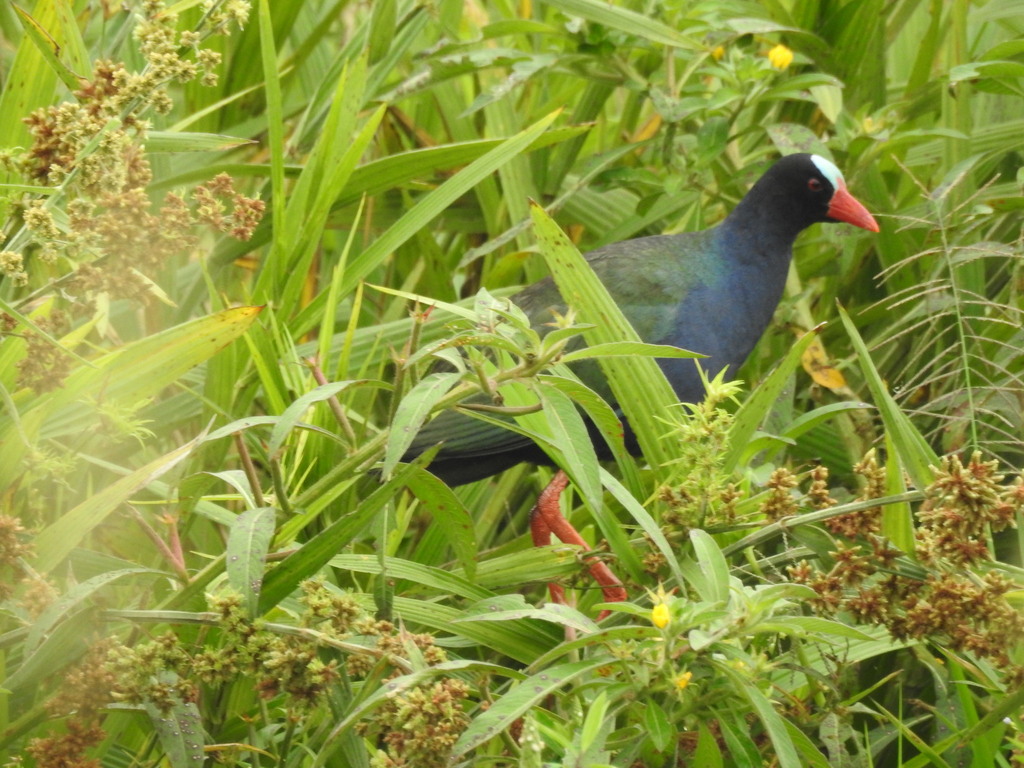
[(249, 253)]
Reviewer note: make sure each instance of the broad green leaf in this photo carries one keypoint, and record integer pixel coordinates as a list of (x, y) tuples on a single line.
[(774, 724), (811, 625), (382, 29), (396, 170), (712, 564), (412, 412), (315, 553), (646, 523), (448, 512), (602, 416), (426, 301), (708, 753), (569, 432), (62, 646), (530, 566), (71, 602), (180, 729), (657, 726), (49, 48), (423, 575), (29, 83), (515, 703), (248, 543), (811, 419), (507, 607), (289, 420), (897, 519), (129, 374), (238, 480), (595, 730)]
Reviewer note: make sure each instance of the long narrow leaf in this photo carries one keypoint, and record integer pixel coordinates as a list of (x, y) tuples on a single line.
[(437, 201), (56, 541), (916, 455)]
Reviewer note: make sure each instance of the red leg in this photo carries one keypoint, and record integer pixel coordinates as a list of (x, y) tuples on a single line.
[(546, 518), (541, 535)]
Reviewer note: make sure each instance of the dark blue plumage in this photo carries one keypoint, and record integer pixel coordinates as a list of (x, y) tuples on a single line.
[(712, 292)]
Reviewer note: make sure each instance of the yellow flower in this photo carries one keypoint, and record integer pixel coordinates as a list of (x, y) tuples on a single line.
[(780, 56), (660, 615), (683, 680), (718, 52)]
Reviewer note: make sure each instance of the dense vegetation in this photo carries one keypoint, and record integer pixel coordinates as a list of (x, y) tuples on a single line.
[(235, 240)]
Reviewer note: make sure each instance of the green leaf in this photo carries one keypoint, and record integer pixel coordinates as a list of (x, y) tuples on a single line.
[(248, 543), (526, 694), (756, 407), (916, 455), (60, 647), (510, 607), (180, 729), (630, 22), (595, 731), (449, 513), (530, 566), (897, 519), (172, 141), (423, 575), (238, 480), (412, 412), (289, 420), (434, 203), (56, 540), (48, 48), (315, 553), (72, 601), (569, 432), (657, 727), (639, 385), (628, 349), (382, 29), (129, 374), (811, 625), (713, 566), (774, 725)]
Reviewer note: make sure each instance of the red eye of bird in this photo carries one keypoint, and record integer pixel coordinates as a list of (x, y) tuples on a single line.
[(814, 185)]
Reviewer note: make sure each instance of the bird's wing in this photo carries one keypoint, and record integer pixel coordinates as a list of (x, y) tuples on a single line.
[(648, 277), (472, 449)]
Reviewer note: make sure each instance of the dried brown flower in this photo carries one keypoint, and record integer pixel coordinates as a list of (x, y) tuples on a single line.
[(780, 502)]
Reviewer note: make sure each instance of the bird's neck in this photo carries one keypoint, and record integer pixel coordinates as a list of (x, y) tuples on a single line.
[(761, 232)]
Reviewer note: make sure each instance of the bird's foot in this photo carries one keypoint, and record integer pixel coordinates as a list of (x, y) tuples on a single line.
[(546, 518)]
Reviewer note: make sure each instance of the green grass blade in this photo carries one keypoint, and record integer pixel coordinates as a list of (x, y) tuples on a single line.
[(437, 201), (917, 456), (638, 383), (756, 407), (56, 540)]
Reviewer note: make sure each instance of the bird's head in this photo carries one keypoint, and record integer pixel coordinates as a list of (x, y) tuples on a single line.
[(816, 187)]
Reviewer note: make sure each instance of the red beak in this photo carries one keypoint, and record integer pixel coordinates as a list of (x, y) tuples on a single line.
[(845, 207)]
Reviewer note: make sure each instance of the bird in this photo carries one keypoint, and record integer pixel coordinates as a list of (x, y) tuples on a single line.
[(712, 291)]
